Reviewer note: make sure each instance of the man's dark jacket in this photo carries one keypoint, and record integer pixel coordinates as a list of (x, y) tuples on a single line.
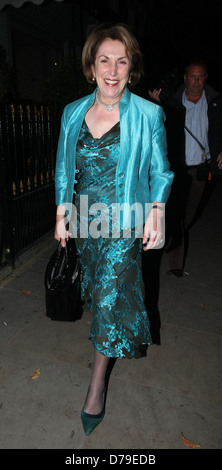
[(175, 114)]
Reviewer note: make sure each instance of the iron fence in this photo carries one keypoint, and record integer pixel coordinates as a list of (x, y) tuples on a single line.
[(28, 142)]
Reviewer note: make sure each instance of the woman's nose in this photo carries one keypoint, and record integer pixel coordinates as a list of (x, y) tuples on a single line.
[(113, 69)]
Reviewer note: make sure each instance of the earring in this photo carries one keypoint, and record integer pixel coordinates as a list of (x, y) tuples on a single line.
[(129, 81), (93, 79)]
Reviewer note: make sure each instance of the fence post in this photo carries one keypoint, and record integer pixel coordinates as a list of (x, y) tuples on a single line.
[(28, 143), (6, 206)]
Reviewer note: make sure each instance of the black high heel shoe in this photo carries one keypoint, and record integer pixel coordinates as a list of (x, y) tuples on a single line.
[(89, 421)]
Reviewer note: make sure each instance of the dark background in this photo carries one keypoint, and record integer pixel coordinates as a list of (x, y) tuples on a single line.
[(41, 42)]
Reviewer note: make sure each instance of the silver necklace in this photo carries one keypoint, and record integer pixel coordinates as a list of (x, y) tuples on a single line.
[(109, 107)]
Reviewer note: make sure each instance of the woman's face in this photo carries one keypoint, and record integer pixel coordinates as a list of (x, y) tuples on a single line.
[(111, 69)]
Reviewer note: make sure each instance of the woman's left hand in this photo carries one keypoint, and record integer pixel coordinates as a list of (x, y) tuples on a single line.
[(154, 229)]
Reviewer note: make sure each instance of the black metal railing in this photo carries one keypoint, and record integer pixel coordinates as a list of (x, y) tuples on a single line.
[(28, 142)]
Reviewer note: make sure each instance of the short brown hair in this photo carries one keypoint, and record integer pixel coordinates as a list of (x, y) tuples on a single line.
[(199, 63), (120, 32)]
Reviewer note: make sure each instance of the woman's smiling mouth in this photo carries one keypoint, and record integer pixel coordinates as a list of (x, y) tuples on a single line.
[(111, 82)]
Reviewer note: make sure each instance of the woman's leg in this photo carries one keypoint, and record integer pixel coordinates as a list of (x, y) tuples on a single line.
[(95, 396)]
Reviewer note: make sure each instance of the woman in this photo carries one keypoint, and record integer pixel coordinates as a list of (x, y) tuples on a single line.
[(112, 147)]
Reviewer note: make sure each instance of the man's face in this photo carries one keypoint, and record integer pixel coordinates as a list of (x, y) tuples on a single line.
[(195, 80)]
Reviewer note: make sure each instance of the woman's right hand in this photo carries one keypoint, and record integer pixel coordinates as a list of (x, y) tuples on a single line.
[(61, 231), (61, 234)]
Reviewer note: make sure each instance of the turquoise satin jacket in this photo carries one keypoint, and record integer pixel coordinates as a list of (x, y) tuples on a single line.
[(143, 173)]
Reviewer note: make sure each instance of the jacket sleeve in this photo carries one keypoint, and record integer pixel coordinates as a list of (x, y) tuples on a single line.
[(160, 177), (61, 177)]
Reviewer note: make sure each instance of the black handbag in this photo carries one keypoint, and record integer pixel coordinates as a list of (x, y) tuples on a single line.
[(63, 278)]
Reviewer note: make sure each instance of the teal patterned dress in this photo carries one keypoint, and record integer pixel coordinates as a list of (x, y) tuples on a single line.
[(112, 282)]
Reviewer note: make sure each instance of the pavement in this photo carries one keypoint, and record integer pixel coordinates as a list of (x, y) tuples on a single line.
[(151, 401)]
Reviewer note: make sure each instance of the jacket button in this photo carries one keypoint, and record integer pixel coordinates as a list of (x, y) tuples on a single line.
[(121, 175)]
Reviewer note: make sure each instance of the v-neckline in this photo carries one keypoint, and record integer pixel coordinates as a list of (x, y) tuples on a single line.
[(98, 138)]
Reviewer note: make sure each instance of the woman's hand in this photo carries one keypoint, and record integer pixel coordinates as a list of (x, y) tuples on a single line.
[(154, 229), (61, 234)]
